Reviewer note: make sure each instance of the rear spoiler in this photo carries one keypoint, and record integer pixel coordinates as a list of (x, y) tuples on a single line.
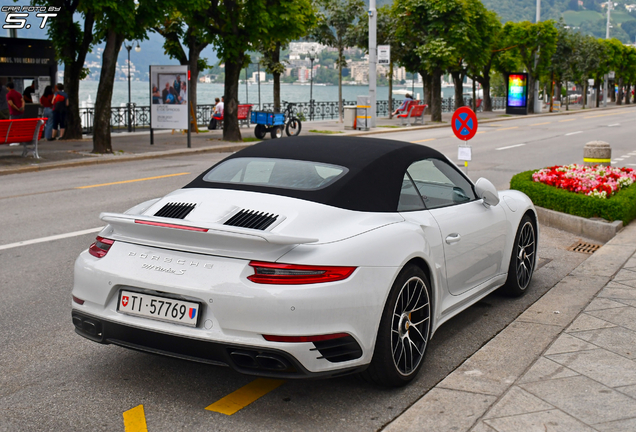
[(132, 227)]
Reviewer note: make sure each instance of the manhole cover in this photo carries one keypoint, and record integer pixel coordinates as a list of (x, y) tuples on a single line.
[(584, 247)]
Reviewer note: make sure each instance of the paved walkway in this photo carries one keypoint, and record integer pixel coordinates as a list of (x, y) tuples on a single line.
[(568, 363)]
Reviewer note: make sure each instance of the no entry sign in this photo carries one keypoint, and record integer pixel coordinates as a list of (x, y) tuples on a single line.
[(464, 123)]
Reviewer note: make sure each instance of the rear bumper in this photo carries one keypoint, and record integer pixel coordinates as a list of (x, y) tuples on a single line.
[(244, 359)]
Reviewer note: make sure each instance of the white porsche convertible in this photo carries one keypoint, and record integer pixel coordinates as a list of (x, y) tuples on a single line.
[(306, 257)]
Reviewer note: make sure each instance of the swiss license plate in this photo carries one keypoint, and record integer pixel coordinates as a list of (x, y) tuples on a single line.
[(159, 308)]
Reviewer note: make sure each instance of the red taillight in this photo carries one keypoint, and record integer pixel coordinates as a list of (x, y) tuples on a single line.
[(292, 274), (167, 225), (101, 246), (79, 301), (316, 338)]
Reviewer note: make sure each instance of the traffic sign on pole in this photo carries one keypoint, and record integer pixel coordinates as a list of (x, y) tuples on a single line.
[(464, 123)]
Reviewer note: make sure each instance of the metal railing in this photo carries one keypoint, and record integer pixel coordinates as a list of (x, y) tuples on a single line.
[(312, 110)]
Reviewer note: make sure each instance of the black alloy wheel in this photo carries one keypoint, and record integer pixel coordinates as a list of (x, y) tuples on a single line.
[(404, 331), (522, 260)]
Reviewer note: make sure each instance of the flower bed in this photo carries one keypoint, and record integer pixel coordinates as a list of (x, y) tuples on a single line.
[(620, 205), (596, 181)]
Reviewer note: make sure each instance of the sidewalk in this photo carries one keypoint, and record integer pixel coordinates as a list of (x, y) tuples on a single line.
[(568, 363), (136, 145)]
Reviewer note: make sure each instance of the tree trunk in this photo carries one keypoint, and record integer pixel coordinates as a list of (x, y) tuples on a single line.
[(101, 123), (474, 94), (391, 90), (486, 92), (276, 75), (597, 92), (531, 82), (619, 97), (436, 96), (628, 94), (611, 91), (458, 80), (73, 73), (340, 109), (551, 91), (427, 82), (559, 89), (231, 130), (584, 94), (193, 63)]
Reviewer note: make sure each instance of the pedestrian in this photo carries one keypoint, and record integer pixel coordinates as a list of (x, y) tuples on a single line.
[(216, 102), (16, 102), (60, 106), (405, 104), (47, 103), (217, 115), (28, 92), (4, 105)]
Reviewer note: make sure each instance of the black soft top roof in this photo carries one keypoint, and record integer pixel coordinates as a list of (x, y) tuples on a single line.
[(373, 183)]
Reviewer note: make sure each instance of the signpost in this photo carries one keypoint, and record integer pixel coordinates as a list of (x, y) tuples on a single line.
[(384, 54), (464, 124)]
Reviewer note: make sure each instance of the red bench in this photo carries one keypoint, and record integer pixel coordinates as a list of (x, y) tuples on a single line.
[(416, 112), (24, 131), (244, 112)]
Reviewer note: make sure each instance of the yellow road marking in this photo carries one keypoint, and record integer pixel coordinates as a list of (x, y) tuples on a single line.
[(132, 181), (424, 140), (244, 396), (603, 115), (514, 127), (539, 124), (135, 420), (481, 132), (561, 121)]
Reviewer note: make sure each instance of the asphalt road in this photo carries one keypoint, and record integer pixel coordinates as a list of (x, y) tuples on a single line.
[(52, 379)]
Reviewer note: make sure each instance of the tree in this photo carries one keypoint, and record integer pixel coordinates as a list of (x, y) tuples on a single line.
[(562, 58), (304, 20), (239, 26), (117, 21), (72, 43), (586, 60), (335, 28), (531, 41), (439, 29)]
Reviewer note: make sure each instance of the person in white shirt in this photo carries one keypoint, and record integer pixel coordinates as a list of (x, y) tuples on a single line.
[(217, 115)]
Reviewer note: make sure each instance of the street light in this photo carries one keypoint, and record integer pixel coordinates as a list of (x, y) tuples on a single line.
[(137, 49), (607, 36), (258, 71), (312, 57)]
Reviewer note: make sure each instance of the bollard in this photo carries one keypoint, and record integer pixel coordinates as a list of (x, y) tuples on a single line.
[(597, 153)]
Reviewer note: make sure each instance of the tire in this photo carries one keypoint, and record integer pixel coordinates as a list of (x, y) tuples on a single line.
[(293, 127), (522, 260), (260, 131), (277, 132), (404, 331)]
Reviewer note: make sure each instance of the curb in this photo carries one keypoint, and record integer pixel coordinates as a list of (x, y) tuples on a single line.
[(461, 399), (594, 229), (104, 159)]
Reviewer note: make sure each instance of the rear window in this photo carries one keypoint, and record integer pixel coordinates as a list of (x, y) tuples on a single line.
[(277, 173)]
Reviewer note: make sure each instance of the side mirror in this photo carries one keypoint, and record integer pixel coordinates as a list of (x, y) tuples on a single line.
[(487, 191)]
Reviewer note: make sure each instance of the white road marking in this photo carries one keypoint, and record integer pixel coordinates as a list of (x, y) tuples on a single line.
[(615, 124), (618, 159), (631, 164), (50, 238), (626, 156), (508, 147), (573, 133)]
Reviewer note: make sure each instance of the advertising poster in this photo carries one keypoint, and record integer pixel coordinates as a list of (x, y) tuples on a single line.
[(517, 102), (169, 97), (384, 54)]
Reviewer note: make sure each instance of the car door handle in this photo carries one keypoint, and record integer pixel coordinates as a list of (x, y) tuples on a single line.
[(453, 238)]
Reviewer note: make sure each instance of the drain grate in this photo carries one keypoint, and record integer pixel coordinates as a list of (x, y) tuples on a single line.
[(584, 247)]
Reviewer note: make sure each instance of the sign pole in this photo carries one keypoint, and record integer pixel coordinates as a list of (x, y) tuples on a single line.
[(189, 119), (464, 125)]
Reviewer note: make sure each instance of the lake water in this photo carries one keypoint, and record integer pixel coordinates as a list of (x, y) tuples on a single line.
[(140, 93)]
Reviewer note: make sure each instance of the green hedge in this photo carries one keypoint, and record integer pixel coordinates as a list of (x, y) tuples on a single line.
[(621, 206)]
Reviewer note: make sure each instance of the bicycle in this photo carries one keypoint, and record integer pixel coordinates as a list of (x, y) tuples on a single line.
[(293, 124)]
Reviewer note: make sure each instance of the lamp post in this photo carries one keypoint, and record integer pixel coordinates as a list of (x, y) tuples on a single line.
[(610, 3), (312, 57), (137, 49), (258, 71), (247, 97)]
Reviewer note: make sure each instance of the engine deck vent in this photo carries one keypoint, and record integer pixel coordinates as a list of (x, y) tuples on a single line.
[(175, 210), (252, 219)]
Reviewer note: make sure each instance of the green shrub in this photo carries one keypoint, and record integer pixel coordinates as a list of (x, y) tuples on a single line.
[(621, 206)]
